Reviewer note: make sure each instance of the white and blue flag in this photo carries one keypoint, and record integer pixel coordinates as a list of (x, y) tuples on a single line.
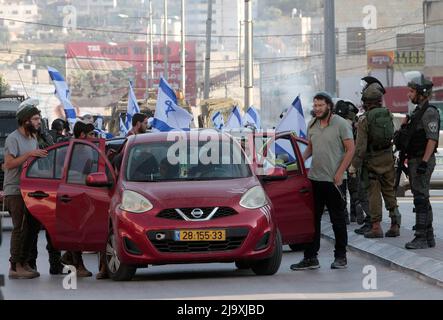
[(132, 108), (123, 129), (168, 114), (294, 120), (234, 120), (218, 121), (252, 118), (63, 94)]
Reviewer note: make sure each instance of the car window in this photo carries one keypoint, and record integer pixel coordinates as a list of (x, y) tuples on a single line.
[(285, 155), (205, 160), (303, 146), (84, 160), (50, 167)]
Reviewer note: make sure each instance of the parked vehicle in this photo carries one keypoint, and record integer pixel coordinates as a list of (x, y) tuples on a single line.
[(156, 212)]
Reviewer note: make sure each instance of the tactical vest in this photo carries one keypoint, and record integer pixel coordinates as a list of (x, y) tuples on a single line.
[(418, 140), (380, 129)]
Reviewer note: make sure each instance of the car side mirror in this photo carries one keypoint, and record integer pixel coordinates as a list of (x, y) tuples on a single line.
[(275, 174), (98, 179)]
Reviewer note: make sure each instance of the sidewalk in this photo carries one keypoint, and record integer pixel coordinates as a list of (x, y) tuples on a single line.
[(425, 264)]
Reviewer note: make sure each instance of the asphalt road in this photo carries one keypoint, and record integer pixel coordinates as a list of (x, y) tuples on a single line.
[(223, 281)]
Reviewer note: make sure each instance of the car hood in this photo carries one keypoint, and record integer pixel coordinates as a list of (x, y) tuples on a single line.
[(205, 193)]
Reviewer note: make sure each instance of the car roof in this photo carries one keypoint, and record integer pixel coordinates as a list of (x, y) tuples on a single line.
[(170, 136)]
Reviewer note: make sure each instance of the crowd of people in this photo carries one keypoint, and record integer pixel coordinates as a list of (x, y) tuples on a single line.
[(368, 157), (349, 153), (29, 140)]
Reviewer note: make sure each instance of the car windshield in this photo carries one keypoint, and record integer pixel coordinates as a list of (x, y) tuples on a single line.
[(202, 160)]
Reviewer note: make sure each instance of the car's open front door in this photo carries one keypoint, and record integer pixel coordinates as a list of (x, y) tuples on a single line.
[(39, 182), (82, 209), (292, 198)]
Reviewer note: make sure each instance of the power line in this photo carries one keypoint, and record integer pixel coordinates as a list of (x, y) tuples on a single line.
[(214, 35)]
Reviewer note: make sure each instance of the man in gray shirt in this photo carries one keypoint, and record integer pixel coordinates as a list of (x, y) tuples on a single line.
[(21, 145), (331, 144)]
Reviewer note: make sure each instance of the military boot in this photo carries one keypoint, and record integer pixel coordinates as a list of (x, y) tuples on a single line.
[(421, 222), (394, 231), (360, 214), (420, 241), (365, 228), (429, 230), (430, 237), (375, 232)]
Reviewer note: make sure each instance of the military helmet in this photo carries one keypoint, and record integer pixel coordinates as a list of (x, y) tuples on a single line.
[(373, 92), (422, 85), (342, 109), (27, 109)]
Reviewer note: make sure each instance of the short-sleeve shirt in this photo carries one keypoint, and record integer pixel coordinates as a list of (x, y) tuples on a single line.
[(16, 145), (430, 123), (328, 150)]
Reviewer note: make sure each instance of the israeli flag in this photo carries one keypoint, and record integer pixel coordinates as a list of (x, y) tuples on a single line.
[(123, 129), (252, 118), (132, 108), (234, 120), (63, 94), (294, 120), (168, 114), (217, 120)]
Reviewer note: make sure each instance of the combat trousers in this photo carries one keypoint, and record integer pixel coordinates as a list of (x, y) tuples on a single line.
[(420, 189), (381, 176)]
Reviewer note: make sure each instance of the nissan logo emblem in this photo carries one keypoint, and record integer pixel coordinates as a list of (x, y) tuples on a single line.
[(197, 213)]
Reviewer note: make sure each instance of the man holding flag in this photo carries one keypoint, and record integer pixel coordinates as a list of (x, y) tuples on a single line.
[(168, 114)]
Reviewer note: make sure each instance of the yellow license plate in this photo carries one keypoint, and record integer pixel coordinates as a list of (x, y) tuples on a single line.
[(200, 235)]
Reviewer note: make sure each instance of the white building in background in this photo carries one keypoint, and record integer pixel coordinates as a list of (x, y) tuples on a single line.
[(18, 10), (227, 15)]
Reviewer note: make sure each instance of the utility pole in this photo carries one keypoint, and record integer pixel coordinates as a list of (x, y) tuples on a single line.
[(166, 52), (182, 53), (151, 44), (208, 50), (248, 55), (330, 64)]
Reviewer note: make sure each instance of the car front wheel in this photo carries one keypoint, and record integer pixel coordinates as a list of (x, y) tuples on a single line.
[(269, 266), (117, 271)]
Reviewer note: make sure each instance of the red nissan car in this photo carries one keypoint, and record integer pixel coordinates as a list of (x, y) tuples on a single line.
[(190, 200)]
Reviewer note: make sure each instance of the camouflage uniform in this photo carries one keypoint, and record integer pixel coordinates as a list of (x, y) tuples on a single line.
[(381, 174)]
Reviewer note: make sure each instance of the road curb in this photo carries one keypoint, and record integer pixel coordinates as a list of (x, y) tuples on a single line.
[(427, 269)]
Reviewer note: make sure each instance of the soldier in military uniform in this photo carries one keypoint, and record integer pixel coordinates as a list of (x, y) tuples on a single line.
[(424, 127), (374, 148)]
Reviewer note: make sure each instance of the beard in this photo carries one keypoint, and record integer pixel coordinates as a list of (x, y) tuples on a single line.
[(30, 128), (324, 115)]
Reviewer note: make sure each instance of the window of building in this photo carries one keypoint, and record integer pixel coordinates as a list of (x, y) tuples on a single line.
[(356, 40), (411, 42)]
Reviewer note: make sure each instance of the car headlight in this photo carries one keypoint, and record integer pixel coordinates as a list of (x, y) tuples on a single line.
[(135, 202), (254, 198)]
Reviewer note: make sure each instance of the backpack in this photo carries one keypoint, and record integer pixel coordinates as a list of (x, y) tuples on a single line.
[(380, 129)]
